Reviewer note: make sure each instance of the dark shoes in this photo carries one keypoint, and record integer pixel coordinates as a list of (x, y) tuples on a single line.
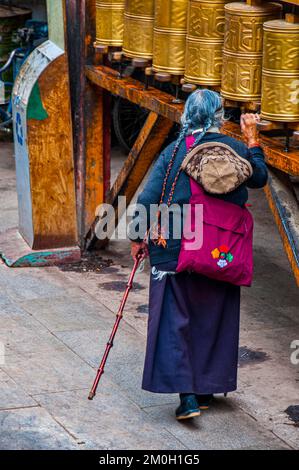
[(188, 408), (204, 401), (191, 405)]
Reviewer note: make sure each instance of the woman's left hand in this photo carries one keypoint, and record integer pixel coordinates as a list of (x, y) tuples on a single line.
[(139, 249)]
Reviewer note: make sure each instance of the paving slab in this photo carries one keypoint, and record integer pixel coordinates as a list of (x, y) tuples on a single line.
[(21, 285), (110, 421), (8, 198), (33, 429), (12, 395), (275, 344), (8, 219), (7, 176), (91, 344), (55, 325), (9, 308), (257, 315), (125, 362), (67, 312), (109, 284), (52, 370), (222, 427), (22, 333), (268, 388), (286, 430), (7, 160), (129, 380)]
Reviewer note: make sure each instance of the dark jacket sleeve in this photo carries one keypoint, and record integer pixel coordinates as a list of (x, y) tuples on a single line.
[(150, 194), (260, 173)]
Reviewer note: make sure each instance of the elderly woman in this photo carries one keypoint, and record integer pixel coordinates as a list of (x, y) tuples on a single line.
[(193, 325)]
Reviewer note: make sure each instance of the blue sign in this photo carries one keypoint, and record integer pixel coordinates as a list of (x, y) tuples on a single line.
[(19, 129)]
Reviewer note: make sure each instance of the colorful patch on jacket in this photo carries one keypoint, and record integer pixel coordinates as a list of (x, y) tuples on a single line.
[(223, 255)]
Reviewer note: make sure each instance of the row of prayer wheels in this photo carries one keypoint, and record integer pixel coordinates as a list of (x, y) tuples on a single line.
[(244, 48)]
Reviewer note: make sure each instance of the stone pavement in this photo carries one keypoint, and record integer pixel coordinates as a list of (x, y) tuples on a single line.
[(54, 324)]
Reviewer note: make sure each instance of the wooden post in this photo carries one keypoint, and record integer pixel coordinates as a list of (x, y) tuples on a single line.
[(75, 26), (138, 162), (91, 115), (97, 125)]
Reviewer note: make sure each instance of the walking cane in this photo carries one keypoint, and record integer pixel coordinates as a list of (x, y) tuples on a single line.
[(114, 329)]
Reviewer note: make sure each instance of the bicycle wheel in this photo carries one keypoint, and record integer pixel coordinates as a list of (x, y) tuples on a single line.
[(128, 120)]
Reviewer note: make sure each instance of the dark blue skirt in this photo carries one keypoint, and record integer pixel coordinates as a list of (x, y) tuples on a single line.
[(193, 334)]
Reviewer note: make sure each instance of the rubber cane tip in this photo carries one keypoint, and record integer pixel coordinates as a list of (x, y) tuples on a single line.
[(91, 395)]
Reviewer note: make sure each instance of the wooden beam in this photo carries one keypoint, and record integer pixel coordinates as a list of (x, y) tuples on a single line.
[(133, 90), (138, 162), (161, 103), (140, 158), (288, 162), (284, 207)]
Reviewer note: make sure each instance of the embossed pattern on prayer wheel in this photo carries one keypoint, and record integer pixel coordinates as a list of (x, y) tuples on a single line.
[(170, 36), (243, 49), (204, 42), (110, 22), (138, 28), (280, 82)]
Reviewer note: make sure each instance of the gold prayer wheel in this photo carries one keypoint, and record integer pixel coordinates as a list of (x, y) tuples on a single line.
[(170, 36), (204, 42), (280, 82), (138, 28), (110, 22), (243, 48)]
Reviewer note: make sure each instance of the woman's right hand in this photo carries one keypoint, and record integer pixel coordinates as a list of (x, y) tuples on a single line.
[(249, 129), (139, 249)]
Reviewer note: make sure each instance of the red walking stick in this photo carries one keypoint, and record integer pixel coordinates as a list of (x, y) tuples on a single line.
[(114, 330)]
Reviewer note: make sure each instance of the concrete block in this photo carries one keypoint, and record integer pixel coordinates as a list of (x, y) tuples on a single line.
[(12, 395), (33, 429), (110, 421)]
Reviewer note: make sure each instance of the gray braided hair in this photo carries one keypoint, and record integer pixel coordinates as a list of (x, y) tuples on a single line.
[(203, 109)]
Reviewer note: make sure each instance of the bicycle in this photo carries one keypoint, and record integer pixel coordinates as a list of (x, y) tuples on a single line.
[(28, 36)]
